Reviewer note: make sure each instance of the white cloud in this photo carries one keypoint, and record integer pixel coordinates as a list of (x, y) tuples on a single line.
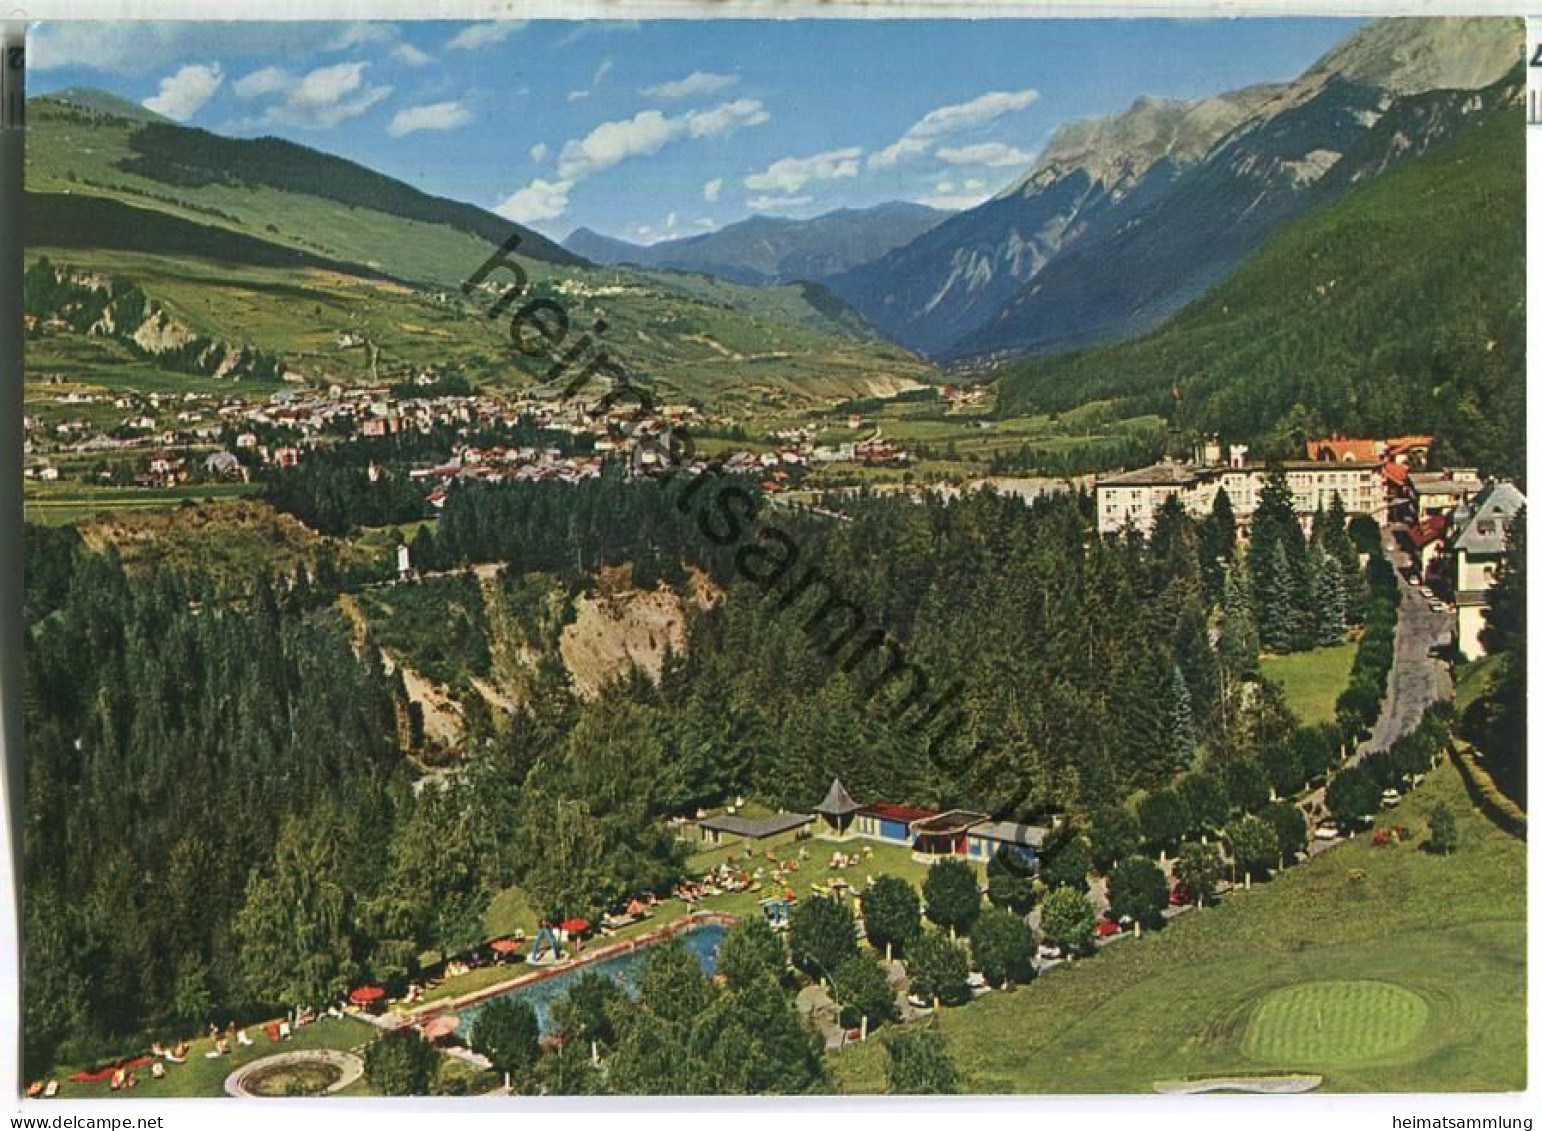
[(587, 28), (321, 99), (726, 119), (434, 116), (706, 222), (644, 134), (599, 76), (697, 82), (956, 198), (259, 83), (712, 188), (145, 47), (537, 201), (483, 35), (611, 143), (185, 93), (990, 154), (791, 173), (363, 34), (776, 203), (410, 56), (902, 150), (945, 121), (538, 152), (328, 96)]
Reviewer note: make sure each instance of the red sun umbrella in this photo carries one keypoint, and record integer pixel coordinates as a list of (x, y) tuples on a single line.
[(575, 926), (504, 946), (437, 1028), (366, 994)]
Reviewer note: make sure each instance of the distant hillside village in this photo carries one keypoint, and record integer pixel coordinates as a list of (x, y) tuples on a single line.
[(1447, 523), (162, 440)]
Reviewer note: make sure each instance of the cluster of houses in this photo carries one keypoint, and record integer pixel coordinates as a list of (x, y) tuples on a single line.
[(172, 437), (929, 834), (1450, 522)]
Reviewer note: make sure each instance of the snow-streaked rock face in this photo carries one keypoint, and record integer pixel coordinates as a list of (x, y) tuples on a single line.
[(1184, 188)]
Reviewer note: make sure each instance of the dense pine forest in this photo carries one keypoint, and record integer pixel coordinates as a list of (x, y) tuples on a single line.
[(221, 817)]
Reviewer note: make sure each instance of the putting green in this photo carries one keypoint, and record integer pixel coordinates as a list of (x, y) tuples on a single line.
[(1334, 1022)]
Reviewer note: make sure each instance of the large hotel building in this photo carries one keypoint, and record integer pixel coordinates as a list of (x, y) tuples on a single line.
[(1135, 497)]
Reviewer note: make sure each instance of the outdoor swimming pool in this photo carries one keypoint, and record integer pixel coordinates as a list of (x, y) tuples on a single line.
[(624, 969)]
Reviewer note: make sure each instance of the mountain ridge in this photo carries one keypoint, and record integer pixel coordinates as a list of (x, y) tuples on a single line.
[(764, 250), (966, 290), (1394, 308)]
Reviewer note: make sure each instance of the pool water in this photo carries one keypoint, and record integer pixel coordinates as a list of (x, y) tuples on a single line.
[(624, 969)]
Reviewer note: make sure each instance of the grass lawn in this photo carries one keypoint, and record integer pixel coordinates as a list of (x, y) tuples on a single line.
[(1472, 680), (1216, 993), (201, 1076), (509, 911), (1313, 680)]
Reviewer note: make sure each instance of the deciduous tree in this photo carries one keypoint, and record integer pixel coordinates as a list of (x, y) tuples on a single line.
[(822, 935), (1003, 947), (891, 913), (1137, 888), (952, 895)]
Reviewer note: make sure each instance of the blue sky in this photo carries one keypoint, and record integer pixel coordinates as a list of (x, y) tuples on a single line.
[(670, 128)]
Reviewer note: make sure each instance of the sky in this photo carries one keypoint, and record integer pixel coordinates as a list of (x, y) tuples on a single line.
[(661, 129)]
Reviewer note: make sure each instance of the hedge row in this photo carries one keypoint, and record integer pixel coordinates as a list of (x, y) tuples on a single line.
[(1360, 702), (1489, 797)]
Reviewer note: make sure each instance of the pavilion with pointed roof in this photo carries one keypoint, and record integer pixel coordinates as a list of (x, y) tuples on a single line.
[(837, 809)]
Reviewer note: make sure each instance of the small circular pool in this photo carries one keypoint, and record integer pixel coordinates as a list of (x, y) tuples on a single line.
[(303, 1072)]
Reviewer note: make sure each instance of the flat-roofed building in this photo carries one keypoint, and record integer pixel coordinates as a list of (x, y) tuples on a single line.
[(1441, 492), (1136, 497)]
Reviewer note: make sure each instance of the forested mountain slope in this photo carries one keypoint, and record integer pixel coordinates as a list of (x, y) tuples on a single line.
[(1125, 219), (774, 249), (1397, 309)]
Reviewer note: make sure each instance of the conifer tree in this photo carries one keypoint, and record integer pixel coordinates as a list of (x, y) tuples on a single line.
[(1327, 599), (1176, 739), (1238, 645)]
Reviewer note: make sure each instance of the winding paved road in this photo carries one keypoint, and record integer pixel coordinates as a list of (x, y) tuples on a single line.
[(1417, 678)]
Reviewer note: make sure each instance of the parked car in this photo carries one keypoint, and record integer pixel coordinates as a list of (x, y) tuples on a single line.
[(1390, 798), (1107, 928), (1179, 896), (1426, 592), (1439, 606), (1050, 951), (1327, 831)]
